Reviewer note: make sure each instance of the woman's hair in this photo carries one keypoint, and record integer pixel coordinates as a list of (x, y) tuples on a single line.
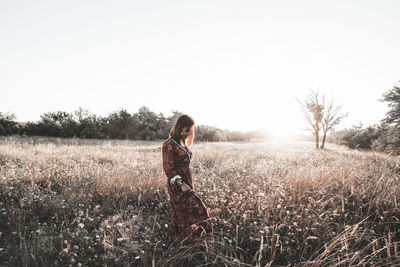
[(180, 123)]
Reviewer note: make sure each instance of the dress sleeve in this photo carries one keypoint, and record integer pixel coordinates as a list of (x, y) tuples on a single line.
[(168, 160)]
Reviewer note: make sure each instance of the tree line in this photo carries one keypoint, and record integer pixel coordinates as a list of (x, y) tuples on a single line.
[(141, 125)]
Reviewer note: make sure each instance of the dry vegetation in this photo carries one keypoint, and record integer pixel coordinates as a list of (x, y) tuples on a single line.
[(273, 204)]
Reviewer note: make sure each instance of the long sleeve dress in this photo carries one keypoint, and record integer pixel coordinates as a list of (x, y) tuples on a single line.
[(190, 218)]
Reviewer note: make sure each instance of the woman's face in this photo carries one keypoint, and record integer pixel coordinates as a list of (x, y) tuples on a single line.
[(186, 132)]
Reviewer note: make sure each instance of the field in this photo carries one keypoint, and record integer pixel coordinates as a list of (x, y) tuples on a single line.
[(104, 203)]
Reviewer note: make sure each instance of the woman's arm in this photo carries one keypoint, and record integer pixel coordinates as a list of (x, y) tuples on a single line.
[(168, 161), (169, 168)]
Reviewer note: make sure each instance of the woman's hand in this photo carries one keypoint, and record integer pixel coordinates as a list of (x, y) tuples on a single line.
[(185, 187)]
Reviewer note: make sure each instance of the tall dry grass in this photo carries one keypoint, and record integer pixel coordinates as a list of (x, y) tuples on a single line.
[(64, 202)]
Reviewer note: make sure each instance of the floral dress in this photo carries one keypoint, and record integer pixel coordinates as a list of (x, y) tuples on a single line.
[(189, 216)]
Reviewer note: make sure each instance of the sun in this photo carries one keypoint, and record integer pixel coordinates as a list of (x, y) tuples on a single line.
[(284, 120)]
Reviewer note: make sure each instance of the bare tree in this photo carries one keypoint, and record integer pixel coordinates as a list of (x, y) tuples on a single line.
[(320, 115), (332, 116), (312, 112)]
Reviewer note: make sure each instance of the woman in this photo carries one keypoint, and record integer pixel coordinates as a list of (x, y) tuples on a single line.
[(189, 217)]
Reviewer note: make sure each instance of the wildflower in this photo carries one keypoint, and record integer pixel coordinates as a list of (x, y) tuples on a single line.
[(81, 225), (372, 232)]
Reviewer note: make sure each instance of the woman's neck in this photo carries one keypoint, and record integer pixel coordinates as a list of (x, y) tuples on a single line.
[(183, 143)]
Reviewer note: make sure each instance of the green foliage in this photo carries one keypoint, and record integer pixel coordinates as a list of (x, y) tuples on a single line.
[(357, 137), (388, 141), (143, 125), (392, 97), (209, 133), (7, 124), (88, 124), (148, 124), (120, 125)]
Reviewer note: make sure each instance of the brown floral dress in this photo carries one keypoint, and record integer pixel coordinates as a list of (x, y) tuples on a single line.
[(189, 216)]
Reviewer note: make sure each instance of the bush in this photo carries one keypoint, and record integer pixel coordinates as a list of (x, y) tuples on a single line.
[(357, 137), (388, 141), (7, 124)]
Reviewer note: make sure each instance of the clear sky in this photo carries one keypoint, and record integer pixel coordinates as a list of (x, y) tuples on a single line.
[(232, 64)]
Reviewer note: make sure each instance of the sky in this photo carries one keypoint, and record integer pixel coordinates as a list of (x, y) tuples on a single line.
[(236, 65)]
